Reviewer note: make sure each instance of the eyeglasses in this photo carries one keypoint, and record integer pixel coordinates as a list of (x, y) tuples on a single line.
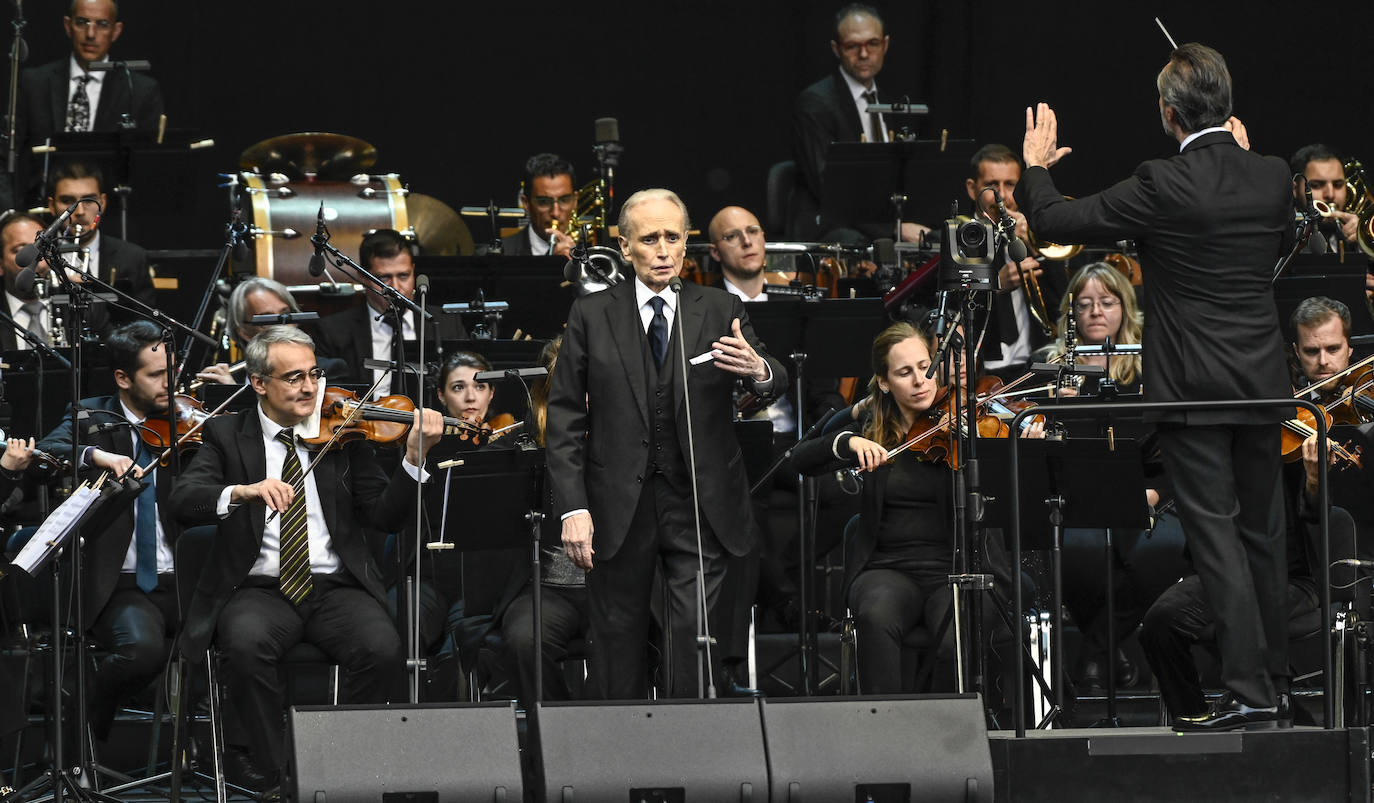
[(100, 25), (853, 48), (1104, 304), (295, 378), (545, 202), (733, 235)]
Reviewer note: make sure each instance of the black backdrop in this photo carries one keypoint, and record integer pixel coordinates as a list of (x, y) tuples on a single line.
[(455, 95)]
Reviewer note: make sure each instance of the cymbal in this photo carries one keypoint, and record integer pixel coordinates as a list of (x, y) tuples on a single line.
[(440, 230), (328, 156)]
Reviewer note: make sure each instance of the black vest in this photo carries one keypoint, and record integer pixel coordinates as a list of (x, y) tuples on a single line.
[(666, 456)]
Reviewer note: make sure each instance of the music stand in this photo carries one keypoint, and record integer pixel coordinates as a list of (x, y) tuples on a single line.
[(495, 477), (534, 287), (1324, 275), (1088, 483), (862, 179)]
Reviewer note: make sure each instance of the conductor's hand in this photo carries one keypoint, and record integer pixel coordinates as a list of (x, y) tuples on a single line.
[(219, 372), (738, 357), (424, 433), (272, 492), (18, 454), (1237, 129), (869, 453), (1041, 145), (114, 463), (1009, 278), (577, 539)]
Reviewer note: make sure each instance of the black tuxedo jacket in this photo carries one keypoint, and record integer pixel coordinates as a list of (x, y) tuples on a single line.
[(354, 493), (598, 415), (106, 547), (44, 92), (517, 244), (125, 265), (9, 341), (347, 336), (824, 112), (1210, 224)]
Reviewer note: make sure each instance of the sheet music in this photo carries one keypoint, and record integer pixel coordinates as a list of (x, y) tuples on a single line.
[(55, 528)]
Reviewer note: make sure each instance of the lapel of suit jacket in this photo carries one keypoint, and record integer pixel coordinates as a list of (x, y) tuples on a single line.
[(362, 339), (628, 339), (691, 312), (59, 89), (852, 115), (113, 102), (109, 258), (254, 457)]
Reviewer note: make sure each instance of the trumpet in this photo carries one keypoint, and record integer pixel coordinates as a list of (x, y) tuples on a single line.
[(1053, 251), (588, 220), (1360, 202), (57, 328)]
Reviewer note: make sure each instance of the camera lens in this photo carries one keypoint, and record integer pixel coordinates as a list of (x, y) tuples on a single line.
[(972, 235)]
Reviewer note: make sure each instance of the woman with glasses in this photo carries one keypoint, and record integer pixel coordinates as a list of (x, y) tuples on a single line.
[(1103, 306)]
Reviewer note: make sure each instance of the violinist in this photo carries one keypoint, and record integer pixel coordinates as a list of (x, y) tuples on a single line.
[(129, 595), (897, 567), (290, 562)]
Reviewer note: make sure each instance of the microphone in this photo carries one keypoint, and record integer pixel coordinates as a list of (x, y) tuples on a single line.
[(319, 239), (577, 263), (607, 130), (29, 253), (1016, 250), (422, 285), (675, 284)]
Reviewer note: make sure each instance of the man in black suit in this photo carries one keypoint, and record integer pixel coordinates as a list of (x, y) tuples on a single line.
[(1210, 223), (17, 231), (365, 332), (549, 196), (619, 440), (834, 109), (117, 262), (129, 596), (308, 574), (1014, 332), (51, 96)]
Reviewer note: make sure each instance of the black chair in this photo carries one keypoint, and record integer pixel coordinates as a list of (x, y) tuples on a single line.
[(780, 200), (191, 554)]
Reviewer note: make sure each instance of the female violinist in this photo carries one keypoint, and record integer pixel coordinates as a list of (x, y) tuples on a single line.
[(898, 562)]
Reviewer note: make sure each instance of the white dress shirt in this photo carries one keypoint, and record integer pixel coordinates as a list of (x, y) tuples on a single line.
[(381, 344), (539, 247), (857, 90), (93, 86), (1197, 134), (164, 550)]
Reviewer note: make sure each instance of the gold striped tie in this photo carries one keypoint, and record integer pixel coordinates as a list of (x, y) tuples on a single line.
[(294, 558)]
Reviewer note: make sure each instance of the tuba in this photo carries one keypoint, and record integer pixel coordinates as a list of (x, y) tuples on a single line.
[(593, 268)]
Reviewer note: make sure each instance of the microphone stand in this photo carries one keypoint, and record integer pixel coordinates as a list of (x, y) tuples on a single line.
[(234, 232), (1310, 218), (414, 662), (395, 303), (18, 53), (706, 679)]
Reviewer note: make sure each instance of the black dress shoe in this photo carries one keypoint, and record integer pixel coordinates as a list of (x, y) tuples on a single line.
[(240, 771), (1228, 717)]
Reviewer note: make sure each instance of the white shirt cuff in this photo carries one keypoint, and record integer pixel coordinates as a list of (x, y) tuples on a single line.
[(416, 473), (223, 507), (572, 513)]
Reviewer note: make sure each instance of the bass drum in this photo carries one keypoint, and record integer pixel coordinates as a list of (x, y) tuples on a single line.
[(284, 215)]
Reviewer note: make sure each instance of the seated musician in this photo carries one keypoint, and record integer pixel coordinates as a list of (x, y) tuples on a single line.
[(17, 456), (114, 261), (739, 245), (17, 231), (1322, 350), (563, 593), (365, 332), (549, 196), (1143, 563), (305, 574), (1325, 174), (1013, 333), (129, 596), (257, 295), (897, 567)]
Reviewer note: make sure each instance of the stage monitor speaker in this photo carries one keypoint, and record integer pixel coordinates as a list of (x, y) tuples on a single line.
[(406, 753), (660, 752), (885, 750)]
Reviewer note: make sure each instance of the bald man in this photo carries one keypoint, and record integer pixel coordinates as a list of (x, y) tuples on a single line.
[(738, 244)]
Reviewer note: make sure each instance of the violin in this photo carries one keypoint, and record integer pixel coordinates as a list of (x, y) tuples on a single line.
[(1297, 430), (1355, 403), (190, 415), (344, 417)]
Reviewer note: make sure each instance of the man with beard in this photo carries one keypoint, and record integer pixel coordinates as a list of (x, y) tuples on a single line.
[(17, 231), (129, 596)]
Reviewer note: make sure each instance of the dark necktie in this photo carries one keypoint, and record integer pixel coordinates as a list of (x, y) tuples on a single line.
[(145, 525), (79, 106), (293, 567), (398, 356), (875, 119), (658, 331)]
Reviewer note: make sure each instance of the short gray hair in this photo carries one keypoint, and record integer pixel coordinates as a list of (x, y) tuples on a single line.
[(256, 351), (1197, 84), (238, 301), (656, 194)]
